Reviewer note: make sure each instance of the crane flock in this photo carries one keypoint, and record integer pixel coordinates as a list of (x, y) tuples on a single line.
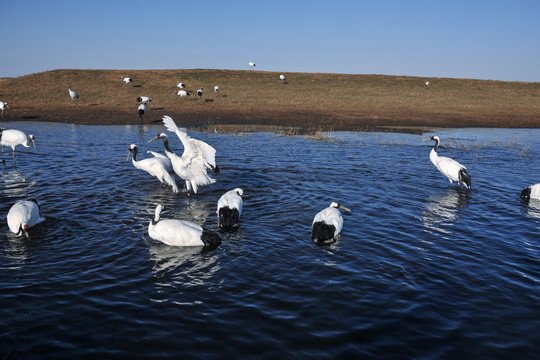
[(193, 167)]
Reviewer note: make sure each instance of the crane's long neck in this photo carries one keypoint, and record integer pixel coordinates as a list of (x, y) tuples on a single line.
[(433, 156), (28, 142), (166, 143), (157, 214), (134, 157)]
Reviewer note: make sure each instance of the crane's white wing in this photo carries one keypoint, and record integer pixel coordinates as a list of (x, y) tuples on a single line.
[(184, 138), (194, 150), (164, 160)]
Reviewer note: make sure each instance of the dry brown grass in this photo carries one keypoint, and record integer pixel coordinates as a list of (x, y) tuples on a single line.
[(307, 100)]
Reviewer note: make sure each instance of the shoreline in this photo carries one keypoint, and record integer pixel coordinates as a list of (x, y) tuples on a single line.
[(248, 100), (300, 122)]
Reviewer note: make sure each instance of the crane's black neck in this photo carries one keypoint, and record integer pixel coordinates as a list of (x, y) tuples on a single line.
[(166, 143), (436, 145), (135, 150)]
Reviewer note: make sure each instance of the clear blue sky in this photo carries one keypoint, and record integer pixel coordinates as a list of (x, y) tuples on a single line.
[(488, 39)]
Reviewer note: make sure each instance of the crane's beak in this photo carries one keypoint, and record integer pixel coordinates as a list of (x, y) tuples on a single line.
[(154, 138), (34, 143), (129, 153), (344, 208), (426, 139), (24, 231)]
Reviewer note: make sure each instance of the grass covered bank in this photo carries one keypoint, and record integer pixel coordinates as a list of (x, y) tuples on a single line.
[(305, 100)]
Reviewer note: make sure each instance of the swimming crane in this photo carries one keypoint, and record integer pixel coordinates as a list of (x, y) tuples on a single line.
[(181, 85), (229, 209), (197, 157), (251, 64), (126, 79), (73, 94), (182, 93), (180, 233), (531, 192), (23, 215), (450, 168), (200, 92), (327, 224), (144, 99), (141, 110), (158, 165), (13, 138), (216, 90)]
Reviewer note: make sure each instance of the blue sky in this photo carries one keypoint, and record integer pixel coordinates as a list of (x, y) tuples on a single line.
[(497, 40)]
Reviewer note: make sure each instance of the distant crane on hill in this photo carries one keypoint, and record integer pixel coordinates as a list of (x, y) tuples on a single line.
[(73, 94)]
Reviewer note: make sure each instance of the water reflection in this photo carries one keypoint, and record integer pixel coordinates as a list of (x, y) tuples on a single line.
[(443, 210), (533, 208), (182, 266), (15, 184), (15, 250)]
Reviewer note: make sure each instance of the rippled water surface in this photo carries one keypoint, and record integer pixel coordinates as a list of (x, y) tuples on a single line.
[(423, 269)]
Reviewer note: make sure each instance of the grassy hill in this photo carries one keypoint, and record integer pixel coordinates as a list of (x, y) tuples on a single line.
[(307, 100)]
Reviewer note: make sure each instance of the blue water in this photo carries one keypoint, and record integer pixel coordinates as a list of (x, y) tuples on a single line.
[(423, 270)]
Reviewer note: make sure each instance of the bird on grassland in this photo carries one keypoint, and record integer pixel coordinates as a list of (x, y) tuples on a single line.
[(144, 99), (73, 94), (182, 93)]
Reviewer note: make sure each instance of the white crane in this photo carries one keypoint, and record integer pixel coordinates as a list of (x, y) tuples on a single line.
[(22, 216), (200, 92), (197, 157), (251, 64), (158, 165), (282, 77), (180, 233), (427, 84), (216, 90), (3, 105), (531, 192), (13, 138), (73, 94), (181, 85), (126, 79), (141, 110), (229, 209), (144, 99), (182, 93), (327, 224), (450, 168)]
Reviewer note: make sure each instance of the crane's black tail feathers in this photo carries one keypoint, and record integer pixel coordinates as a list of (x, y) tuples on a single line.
[(210, 239), (465, 178), (228, 218), (526, 194)]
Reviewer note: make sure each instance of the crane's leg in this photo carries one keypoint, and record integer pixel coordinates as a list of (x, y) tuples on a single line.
[(3, 158), (14, 161)]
